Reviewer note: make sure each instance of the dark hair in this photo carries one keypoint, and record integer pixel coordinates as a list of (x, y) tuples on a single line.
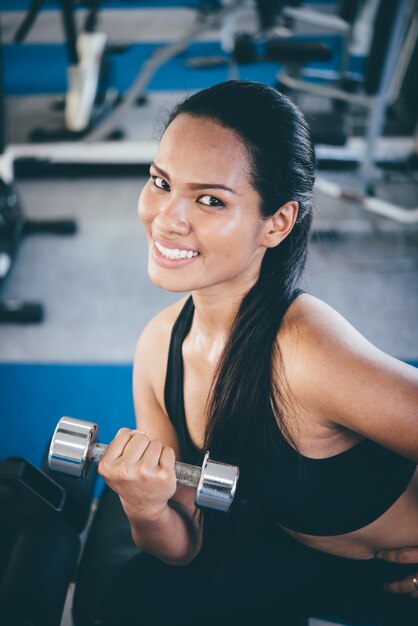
[(244, 404)]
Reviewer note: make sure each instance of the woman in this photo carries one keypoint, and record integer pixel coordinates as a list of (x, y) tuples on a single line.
[(323, 425)]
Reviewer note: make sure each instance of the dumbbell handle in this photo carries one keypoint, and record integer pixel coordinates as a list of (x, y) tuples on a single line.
[(186, 474)]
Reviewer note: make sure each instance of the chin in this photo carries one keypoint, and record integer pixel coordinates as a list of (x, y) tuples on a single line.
[(169, 283)]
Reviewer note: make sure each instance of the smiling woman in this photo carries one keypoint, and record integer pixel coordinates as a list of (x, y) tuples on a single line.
[(214, 227), (266, 377)]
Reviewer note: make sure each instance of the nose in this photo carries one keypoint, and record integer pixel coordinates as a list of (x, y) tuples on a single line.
[(172, 217)]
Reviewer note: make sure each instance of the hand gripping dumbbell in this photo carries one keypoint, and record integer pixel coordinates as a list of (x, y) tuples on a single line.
[(74, 447)]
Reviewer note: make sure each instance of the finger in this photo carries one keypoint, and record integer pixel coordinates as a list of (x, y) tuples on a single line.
[(168, 458), (402, 555), (135, 448), (151, 457), (117, 445), (406, 585)]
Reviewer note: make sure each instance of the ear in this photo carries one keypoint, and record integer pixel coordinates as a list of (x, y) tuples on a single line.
[(278, 226)]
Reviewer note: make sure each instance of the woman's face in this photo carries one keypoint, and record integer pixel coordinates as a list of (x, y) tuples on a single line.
[(200, 211)]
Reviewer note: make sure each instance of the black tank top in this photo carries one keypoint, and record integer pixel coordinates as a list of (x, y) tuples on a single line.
[(329, 496)]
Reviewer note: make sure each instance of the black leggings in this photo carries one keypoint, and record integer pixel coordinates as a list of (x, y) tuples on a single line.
[(274, 580)]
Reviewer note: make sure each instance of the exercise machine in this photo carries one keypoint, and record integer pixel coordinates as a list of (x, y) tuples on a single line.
[(87, 95), (393, 49), (14, 226)]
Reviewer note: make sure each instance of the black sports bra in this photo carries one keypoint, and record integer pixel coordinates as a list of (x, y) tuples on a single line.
[(329, 496)]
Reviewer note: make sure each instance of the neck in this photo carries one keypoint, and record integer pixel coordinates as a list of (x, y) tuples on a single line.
[(215, 311)]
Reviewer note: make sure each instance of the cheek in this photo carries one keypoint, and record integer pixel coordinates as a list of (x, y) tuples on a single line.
[(144, 207), (231, 226), (223, 238), (238, 232)]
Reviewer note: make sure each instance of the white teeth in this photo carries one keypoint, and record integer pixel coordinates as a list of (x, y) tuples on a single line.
[(175, 253)]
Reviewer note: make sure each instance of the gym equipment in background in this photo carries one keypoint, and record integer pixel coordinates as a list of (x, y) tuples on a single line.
[(88, 94), (41, 517), (158, 58), (269, 43), (94, 149), (14, 226), (74, 447), (26, 492), (93, 146), (342, 23), (92, 108), (392, 50), (38, 562)]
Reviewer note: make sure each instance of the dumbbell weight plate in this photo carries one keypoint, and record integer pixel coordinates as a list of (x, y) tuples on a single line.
[(70, 445)]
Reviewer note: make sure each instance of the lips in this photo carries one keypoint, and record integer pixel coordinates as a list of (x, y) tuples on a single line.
[(175, 253), (172, 256)]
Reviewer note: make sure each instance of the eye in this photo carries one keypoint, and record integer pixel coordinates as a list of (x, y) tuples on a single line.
[(210, 201), (160, 183)]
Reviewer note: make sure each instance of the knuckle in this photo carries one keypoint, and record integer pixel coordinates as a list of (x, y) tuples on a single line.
[(123, 430), (144, 473), (164, 475), (170, 478), (169, 454), (124, 473), (143, 437), (103, 468)]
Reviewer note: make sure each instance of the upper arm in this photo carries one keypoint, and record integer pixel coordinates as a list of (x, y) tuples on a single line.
[(149, 374), (349, 382)]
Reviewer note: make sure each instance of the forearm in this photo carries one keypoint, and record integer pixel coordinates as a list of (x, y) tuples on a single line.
[(171, 536)]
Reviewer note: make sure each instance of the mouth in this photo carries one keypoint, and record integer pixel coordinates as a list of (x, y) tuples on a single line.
[(175, 254)]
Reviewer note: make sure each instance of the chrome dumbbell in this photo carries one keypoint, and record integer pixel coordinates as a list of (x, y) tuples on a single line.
[(74, 447)]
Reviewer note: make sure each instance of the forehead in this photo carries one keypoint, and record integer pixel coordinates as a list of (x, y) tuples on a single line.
[(193, 146)]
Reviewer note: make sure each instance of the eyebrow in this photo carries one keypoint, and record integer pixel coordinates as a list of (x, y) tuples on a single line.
[(195, 186)]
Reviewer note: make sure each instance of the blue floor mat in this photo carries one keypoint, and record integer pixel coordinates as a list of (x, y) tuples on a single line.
[(25, 68), (23, 77), (34, 397), (53, 5)]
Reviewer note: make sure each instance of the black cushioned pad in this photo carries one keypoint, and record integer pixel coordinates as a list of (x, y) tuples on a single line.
[(327, 128), (290, 50)]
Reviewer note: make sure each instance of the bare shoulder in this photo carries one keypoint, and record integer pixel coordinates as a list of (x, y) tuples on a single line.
[(160, 326), (310, 324), (307, 337), (342, 378), (151, 352)]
